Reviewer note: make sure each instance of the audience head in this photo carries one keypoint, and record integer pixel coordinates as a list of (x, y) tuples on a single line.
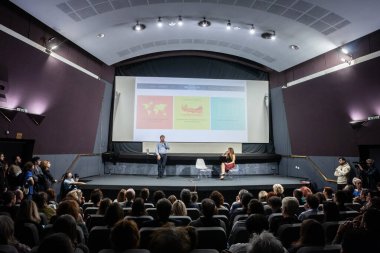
[(371, 220), (240, 194), (312, 201), (125, 235), (28, 212), (256, 223), (9, 198), (121, 196), (69, 207), (96, 196), (194, 197), (157, 195), (138, 207), (51, 194), (331, 211), (328, 192), (245, 199), (6, 230), (255, 206), (164, 209), (218, 198), (275, 203), (172, 198), (305, 191), (19, 196), (171, 240), (66, 224), (289, 206), (144, 194), (340, 197), (130, 194), (262, 196), (297, 193), (57, 243), (208, 207), (104, 204), (185, 196), (113, 214), (264, 243), (278, 189), (311, 234), (40, 199), (179, 208)]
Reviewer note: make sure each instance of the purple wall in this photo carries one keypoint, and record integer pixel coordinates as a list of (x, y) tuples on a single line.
[(318, 111), (70, 99)]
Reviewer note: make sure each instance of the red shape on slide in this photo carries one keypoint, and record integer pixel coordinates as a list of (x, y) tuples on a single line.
[(154, 112)]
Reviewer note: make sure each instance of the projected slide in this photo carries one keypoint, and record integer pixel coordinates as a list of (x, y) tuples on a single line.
[(190, 110)]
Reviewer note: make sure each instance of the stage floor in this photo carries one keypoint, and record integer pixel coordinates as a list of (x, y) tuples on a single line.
[(175, 183)]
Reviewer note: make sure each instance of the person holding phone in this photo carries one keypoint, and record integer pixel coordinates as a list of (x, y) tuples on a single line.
[(228, 162), (161, 152)]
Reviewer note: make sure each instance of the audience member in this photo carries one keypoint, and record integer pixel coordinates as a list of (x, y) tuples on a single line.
[(41, 201), (124, 235), (164, 209), (103, 206), (331, 211), (57, 243), (255, 206), (185, 196), (218, 199), (289, 211), (311, 234), (263, 196), (144, 194), (246, 197), (172, 198), (179, 208), (113, 214), (157, 195), (130, 194), (328, 192), (311, 206), (121, 197), (28, 213), (9, 204), (171, 240), (207, 220), (7, 235), (237, 203), (278, 189), (264, 243), (138, 207)]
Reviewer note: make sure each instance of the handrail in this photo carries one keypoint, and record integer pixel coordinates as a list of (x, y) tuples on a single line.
[(315, 167), (70, 168)]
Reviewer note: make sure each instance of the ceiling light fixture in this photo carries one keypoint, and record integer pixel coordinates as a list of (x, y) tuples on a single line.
[(138, 27), (180, 21), (100, 35), (269, 35), (159, 22), (252, 29), (228, 25), (204, 23), (346, 56), (294, 47), (344, 50)]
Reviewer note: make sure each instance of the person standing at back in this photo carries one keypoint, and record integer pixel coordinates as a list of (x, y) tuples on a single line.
[(342, 172), (161, 151)]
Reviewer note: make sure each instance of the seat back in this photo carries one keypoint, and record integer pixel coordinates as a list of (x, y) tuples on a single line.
[(211, 238), (204, 251), (320, 216), (139, 219), (8, 249), (344, 215), (334, 248), (194, 213), (288, 233), (125, 251), (99, 239), (44, 219), (238, 234), (152, 211), (185, 220), (223, 211), (330, 228), (148, 205), (90, 210), (95, 220), (127, 211), (223, 218), (240, 217)]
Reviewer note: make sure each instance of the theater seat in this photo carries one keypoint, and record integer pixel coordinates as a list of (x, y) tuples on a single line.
[(99, 239), (334, 248), (211, 238)]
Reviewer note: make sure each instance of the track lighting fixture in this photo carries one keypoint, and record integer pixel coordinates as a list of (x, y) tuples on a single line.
[(269, 35), (252, 29), (138, 26), (204, 23), (159, 22), (180, 22), (228, 25)]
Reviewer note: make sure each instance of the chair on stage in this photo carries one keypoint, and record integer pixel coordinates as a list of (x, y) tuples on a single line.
[(234, 171), (202, 168)]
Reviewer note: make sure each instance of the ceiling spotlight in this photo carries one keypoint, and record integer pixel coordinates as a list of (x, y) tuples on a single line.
[(204, 23), (159, 22), (100, 35), (138, 26), (180, 22), (269, 35), (344, 50), (294, 47), (252, 29), (172, 23), (228, 25)]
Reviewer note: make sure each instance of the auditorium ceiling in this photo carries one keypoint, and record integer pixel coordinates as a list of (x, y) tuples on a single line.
[(104, 28)]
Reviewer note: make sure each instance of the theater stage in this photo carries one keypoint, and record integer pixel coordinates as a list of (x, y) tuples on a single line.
[(174, 184)]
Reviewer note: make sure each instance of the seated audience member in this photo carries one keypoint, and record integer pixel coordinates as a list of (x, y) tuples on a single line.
[(52, 199), (41, 201), (289, 214), (328, 192), (121, 197), (7, 235), (144, 194), (164, 209), (172, 198), (104, 204), (255, 206), (57, 243), (237, 203), (69, 184), (96, 196), (297, 193), (179, 208), (357, 183), (349, 190), (311, 206), (66, 224), (207, 220), (311, 234), (157, 195), (274, 203), (278, 189), (19, 196), (75, 195), (9, 204), (305, 191), (321, 198), (185, 196), (124, 235), (262, 196), (113, 214), (340, 198), (172, 240), (28, 213), (194, 197), (255, 224), (72, 208), (138, 207), (130, 194), (264, 243), (246, 197), (218, 199)]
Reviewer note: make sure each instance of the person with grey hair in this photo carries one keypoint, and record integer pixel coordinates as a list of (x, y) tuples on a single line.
[(265, 242), (289, 207)]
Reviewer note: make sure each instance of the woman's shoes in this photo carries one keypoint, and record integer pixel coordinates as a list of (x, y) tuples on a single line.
[(221, 177)]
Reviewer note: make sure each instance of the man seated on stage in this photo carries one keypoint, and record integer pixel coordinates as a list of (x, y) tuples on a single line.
[(161, 151), (228, 162)]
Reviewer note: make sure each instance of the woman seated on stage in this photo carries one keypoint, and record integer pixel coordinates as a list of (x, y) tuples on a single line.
[(228, 162)]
